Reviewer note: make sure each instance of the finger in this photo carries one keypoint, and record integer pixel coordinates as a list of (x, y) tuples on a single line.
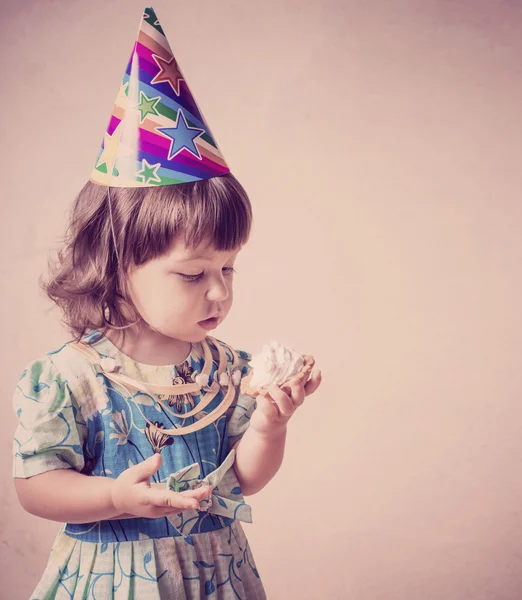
[(168, 499), (283, 401), (156, 512), (313, 383), (144, 470), (202, 492), (295, 390), (161, 511), (267, 406)]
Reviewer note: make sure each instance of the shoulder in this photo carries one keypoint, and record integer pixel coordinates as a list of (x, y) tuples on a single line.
[(50, 371), (42, 367), (50, 431), (41, 387), (38, 373)]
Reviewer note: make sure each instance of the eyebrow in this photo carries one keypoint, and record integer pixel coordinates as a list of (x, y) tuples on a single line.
[(199, 257), (189, 258)]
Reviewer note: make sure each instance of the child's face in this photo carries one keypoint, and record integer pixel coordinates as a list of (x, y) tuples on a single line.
[(175, 292)]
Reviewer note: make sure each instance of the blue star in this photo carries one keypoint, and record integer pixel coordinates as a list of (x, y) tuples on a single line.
[(182, 137)]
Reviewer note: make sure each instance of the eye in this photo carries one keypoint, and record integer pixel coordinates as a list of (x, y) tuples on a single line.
[(191, 278), (198, 276)]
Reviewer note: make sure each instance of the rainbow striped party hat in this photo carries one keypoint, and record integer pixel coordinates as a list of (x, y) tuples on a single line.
[(156, 134)]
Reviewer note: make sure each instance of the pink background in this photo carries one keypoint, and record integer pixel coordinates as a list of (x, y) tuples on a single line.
[(381, 143)]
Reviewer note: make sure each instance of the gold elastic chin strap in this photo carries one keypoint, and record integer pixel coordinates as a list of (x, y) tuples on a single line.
[(183, 388)]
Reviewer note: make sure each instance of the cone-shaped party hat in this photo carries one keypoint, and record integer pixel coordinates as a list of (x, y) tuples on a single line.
[(156, 134)]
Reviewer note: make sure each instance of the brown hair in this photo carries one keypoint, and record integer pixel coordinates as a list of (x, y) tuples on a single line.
[(87, 280)]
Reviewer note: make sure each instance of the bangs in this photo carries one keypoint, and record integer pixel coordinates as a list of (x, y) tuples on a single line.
[(112, 228), (214, 211)]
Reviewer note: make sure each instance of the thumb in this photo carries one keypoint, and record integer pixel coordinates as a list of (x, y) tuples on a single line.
[(146, 468)]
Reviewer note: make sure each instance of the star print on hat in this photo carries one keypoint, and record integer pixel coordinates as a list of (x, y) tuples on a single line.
[(156, 134)]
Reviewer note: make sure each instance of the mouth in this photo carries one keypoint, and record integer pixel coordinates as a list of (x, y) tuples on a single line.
[(210, 323)]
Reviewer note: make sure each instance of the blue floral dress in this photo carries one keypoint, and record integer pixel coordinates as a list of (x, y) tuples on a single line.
[(72, 416)]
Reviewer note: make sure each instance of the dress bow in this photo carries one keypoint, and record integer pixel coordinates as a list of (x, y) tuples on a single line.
[(226, 500)]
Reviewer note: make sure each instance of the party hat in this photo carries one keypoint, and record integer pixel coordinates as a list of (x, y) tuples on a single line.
[(156, 135)]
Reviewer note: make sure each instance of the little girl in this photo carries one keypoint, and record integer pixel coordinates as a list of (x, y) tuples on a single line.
[(135, 434)]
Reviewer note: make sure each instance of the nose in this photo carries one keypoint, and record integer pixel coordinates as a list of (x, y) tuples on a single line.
[(218, 290)]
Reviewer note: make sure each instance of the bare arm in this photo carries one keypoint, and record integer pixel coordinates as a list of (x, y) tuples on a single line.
[(67, 496), (258, 458), (260, 451)]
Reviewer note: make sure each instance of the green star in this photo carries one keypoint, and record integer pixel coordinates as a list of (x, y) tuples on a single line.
[(147, 105), (149, 172)]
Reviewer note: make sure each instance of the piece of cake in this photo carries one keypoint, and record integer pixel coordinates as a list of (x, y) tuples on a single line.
[(275, 364)]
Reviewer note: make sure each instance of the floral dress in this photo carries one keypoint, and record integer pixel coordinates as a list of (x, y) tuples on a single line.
[(71, 415)]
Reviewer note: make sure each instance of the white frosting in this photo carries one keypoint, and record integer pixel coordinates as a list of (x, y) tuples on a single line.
[(274, 364)]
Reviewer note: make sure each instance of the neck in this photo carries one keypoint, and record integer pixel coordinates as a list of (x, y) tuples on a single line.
[(150, 347)]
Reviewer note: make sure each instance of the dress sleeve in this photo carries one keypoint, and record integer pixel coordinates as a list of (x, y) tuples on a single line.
[(50, 431), (243, 407)]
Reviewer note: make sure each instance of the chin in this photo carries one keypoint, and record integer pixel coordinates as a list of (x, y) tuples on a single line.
[(174, 335), (194, 335), (199, 335)]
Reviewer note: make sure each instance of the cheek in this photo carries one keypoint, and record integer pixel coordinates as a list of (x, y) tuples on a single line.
[(228, 302), (145, 300), (151, 294)]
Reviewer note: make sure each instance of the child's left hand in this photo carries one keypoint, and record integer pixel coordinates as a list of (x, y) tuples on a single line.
[(277, 405)]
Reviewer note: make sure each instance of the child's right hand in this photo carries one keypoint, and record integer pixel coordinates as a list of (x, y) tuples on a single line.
[(132, 493)]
